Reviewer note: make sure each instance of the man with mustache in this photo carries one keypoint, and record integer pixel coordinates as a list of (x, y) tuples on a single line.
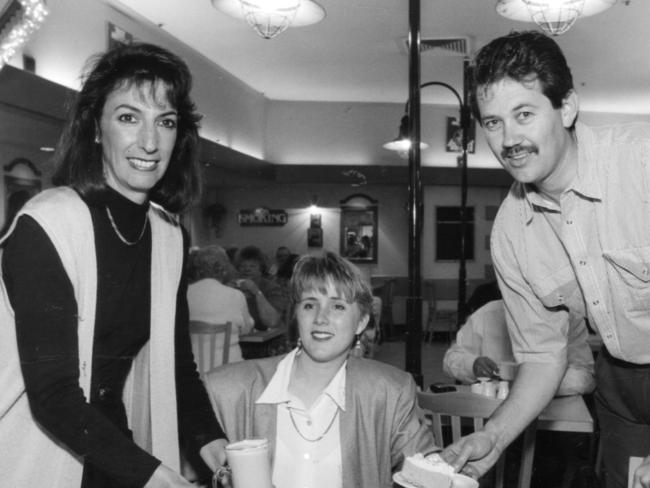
[(571, 237)]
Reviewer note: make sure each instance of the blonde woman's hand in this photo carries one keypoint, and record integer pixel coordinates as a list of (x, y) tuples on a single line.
[(164, 477), (214, 453), (642, 474)]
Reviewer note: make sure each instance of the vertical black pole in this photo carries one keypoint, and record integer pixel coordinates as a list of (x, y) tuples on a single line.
[(465, 118), (414, 299)]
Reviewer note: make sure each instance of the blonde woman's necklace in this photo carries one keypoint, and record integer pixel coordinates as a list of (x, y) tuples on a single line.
[(295, 426), (119, 234)]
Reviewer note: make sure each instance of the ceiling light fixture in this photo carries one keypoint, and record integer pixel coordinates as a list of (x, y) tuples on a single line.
[(554, 16), (272, 17)]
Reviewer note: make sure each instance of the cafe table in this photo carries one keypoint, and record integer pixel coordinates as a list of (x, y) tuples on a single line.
[(562, 414), (263, 343)]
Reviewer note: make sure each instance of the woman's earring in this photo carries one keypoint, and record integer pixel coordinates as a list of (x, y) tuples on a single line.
[(299, 346), (97, 139), (357, 352)]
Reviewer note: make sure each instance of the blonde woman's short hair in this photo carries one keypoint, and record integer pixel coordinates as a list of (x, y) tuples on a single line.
[(316, 272)]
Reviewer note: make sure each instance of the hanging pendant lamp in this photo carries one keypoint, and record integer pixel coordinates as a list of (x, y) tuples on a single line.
[(272, 17), (554, 16)]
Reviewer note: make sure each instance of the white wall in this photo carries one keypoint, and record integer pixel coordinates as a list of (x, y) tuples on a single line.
[(236, 116), (75, 30)]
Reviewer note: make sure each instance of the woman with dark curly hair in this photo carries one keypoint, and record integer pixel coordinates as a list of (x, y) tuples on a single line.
[(266, 301), (98, 377)]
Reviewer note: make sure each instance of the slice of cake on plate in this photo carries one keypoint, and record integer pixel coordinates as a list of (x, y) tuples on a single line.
[(427, 472)]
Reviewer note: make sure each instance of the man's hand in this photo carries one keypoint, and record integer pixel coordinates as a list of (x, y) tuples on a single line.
[(642, 475), (214, 453), (485, 367), (473, 455)]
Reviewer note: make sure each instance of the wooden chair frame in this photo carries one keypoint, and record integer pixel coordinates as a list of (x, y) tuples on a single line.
[(209, 331), (455, 406)]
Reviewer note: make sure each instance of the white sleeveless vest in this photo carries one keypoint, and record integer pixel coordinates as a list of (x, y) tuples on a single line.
[(29, 455)]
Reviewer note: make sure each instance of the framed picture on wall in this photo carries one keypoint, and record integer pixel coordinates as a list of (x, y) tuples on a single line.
[(455, 136)]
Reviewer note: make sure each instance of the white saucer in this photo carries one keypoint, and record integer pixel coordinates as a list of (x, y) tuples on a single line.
[(458, 480), (399, 479)]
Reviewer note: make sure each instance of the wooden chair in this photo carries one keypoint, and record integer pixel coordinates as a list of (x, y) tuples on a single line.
[(429, 296), (450, 409), (204, 344), (386, 320), (371, 336)]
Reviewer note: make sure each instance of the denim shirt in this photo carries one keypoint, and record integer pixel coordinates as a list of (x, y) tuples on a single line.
[(589, 255)]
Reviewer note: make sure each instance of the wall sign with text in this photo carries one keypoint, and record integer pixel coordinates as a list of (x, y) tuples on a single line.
[(262, 216)]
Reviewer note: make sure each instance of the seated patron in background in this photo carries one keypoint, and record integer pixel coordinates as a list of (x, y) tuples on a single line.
[(96, 369), (483, 342), (483, 293), (331, 419), (282, 254), (265, 299), (211, 301)]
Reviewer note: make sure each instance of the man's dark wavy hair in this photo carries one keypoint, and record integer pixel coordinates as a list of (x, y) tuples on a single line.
[(78, 158), (524, 57)]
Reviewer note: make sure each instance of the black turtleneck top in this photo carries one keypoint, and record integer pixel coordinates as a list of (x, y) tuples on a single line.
[(45, 308)]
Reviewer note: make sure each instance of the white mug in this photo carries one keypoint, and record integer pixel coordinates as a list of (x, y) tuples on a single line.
[(249, 463)]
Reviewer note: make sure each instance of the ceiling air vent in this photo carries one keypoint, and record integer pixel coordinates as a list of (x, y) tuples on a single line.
[(445, 46)]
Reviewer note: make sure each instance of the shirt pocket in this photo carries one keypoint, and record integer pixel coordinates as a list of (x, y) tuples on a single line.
[(629, 275), (558, 289)]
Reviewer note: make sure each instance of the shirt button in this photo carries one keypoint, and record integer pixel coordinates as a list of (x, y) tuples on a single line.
[(569, 222), (582, 262), (595, 302)]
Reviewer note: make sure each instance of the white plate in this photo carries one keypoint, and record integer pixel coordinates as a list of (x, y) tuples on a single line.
[(458, 480), (399, 479)]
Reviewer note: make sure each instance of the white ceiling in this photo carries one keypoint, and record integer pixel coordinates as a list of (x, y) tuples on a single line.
[(357, 52)]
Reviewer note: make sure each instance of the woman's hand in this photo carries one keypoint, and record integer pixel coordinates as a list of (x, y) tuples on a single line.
[(214, 454), (164, 477), (244, 284), (642, 474)]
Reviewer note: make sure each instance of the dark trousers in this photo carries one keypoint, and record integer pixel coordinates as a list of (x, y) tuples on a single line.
[(623, 410)]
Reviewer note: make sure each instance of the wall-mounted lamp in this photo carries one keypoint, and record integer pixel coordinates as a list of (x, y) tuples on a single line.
[(402, 143), (313, 206), (464, 123), (315, 231)]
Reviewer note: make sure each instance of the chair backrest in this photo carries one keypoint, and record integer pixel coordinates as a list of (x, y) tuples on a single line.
[(451, 408), (465, 409), (429, 293), (209, 351)]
